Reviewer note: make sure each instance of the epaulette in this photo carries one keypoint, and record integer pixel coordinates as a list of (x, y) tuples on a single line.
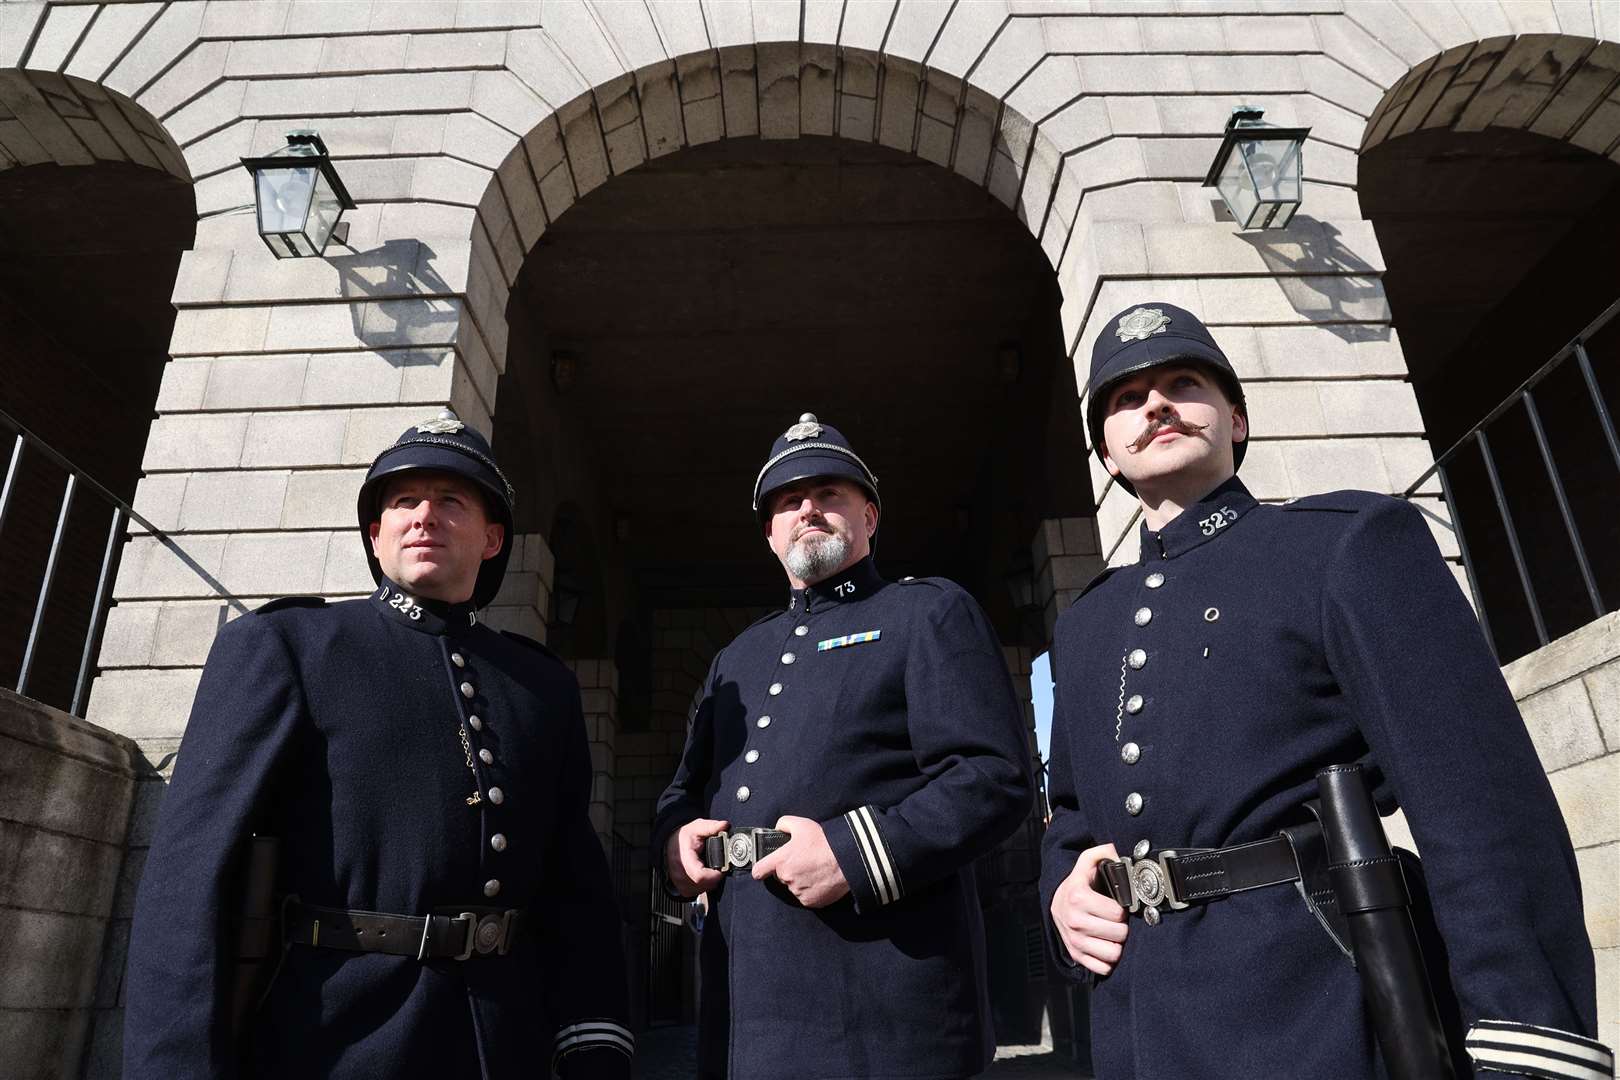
[(936, 582), (765, 618), (1101, 576), (524, 639), (284, 602), (1348, 501)]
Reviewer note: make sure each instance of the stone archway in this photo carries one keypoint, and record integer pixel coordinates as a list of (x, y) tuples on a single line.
[(96, 207), (1492, 173)]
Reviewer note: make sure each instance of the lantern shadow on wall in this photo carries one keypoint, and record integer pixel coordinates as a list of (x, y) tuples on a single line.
[(397, 298), (1325, 281)]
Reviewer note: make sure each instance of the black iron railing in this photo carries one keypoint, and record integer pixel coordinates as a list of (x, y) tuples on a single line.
[(25, 442), (1593, 411)]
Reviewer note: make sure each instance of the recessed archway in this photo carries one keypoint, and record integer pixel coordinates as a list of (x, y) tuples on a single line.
[(1492, 175), (662, 326), (96, 207)]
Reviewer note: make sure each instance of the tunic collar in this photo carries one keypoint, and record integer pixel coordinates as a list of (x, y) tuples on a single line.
[(853, 583), (428, 616), (1199, 523)]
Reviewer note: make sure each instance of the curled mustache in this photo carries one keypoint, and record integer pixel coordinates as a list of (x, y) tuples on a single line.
[(1156, 427)]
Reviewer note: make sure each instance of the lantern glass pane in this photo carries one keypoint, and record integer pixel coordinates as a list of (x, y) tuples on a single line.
[(324, 212), (284, 197), (1237, 188), (1274, 164)]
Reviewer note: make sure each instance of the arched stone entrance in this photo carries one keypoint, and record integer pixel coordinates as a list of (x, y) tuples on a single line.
[(1492, 174), (895, 299), (95, 209)]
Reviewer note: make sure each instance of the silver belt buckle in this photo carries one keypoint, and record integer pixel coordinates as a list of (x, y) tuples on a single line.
[(1151, 886), (740, 850)]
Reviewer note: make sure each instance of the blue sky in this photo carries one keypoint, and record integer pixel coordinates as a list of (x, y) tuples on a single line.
[(1040, 681)]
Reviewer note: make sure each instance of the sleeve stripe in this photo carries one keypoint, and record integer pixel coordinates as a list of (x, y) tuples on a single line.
[(589, 1034), (1540, 1051), (883, 854), (1534, 1065), (858, 825), (585, 1042), (875, 854)]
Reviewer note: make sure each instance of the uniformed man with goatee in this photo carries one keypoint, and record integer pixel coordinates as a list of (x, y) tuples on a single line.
[(849, 757), (443, 907), (1199, 691)]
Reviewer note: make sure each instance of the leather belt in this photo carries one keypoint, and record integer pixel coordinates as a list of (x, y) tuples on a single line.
[(739, 849), (1176, 878), (448, 934)]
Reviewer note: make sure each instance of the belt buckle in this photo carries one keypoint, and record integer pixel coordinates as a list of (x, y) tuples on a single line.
[(1152, 887), (471, 921), (493, 933), (740, 849)]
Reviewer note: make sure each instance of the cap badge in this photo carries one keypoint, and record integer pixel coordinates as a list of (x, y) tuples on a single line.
[(443, 424), (806, 428), (1141, 324)]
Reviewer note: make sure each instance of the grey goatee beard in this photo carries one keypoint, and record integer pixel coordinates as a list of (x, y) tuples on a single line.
[(810, 559)]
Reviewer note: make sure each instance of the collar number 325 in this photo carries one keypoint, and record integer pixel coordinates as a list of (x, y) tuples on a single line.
[(1220, 519)]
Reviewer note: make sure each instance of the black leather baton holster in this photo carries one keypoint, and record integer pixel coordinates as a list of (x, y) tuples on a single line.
[(1377, 906), (258, 933)]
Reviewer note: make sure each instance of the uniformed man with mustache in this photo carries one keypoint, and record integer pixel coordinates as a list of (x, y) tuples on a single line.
[(1201, 688)]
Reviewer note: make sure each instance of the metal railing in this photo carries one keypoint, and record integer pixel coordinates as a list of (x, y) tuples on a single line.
[(1478, 439), (79, 481)]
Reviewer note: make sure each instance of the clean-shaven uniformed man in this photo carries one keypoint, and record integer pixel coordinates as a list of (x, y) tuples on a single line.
[(849, 757), (449, 912), (1198, 692)]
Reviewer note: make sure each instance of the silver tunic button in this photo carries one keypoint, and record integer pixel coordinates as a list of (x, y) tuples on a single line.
[(1133, 804), (475, 723), (1141, 849), (1155, 579), (1130, 753), (751, 757), (486, 757), (498, 842), (1133, 704), (491, 887), (776, 688), (800, 631), (1151, 916), (763, 721), (788, 658), (743, 793), (467, 690), (1143, 616), (497, 796), (458, 660), (1137, 659)]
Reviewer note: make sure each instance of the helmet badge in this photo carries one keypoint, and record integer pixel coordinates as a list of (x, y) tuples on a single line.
[(443, 424), (806, 428), (1141, 324)]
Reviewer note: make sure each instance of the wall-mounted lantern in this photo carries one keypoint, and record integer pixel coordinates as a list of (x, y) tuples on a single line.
[(1259, 170), (300, 198)]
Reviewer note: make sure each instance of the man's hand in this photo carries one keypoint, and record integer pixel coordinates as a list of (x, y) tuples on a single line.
[(805, 864), (683, 858), (1091, 924)]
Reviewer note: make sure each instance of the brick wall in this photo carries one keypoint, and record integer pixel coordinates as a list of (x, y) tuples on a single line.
[(1569, 693), (66, 790)]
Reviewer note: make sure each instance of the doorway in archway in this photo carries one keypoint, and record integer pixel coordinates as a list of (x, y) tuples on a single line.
[(1498, 243), (667, 328)]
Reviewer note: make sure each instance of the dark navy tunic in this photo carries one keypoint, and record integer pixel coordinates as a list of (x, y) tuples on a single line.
[(337, 729), (884, 711), (1251, 646)]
